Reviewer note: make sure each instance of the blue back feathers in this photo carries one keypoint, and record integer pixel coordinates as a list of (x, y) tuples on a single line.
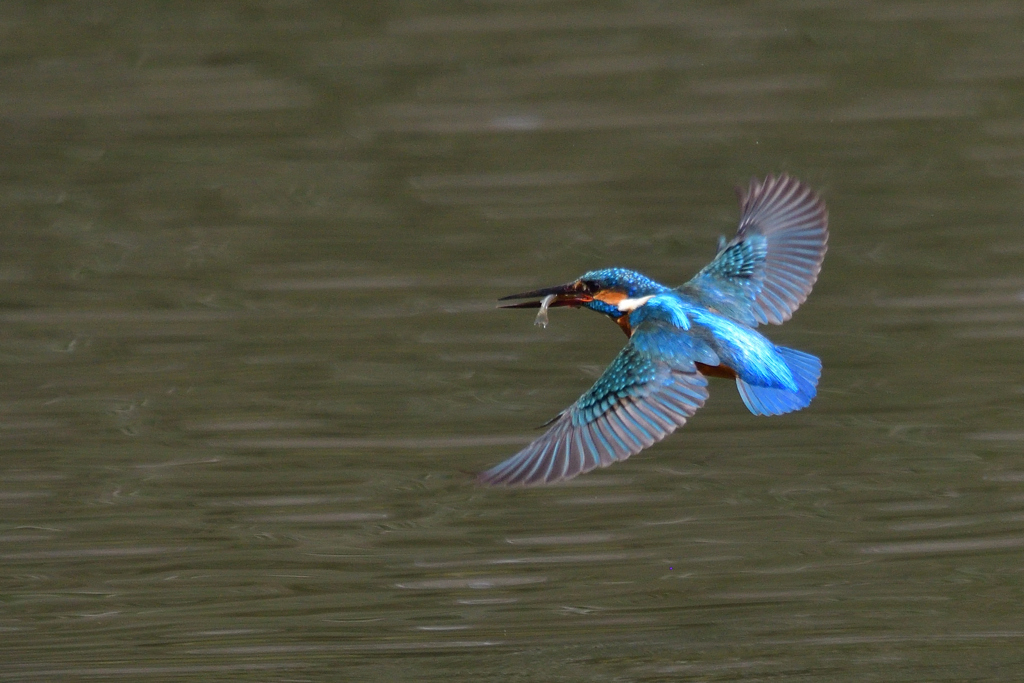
[(667, 308)]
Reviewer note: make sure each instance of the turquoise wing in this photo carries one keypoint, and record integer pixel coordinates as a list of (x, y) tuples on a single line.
[(768, 269), (650, 389)]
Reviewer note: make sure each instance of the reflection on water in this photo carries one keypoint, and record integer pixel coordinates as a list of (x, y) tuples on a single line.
[(251, 357)]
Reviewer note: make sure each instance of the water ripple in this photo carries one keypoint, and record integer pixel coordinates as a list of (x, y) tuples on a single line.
[(962, 545), (476, 583)]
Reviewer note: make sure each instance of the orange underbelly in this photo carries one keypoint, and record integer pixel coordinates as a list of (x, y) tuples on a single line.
[(723, 371)]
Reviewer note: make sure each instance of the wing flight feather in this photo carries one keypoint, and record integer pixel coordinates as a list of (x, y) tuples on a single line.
[(768, 269), (639, 400)]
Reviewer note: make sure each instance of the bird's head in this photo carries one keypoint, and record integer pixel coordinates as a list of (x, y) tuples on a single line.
[(599, 290)]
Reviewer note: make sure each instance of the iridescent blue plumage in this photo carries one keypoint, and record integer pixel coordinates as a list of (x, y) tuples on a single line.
[(629, 282), (677, 336), (640, 399), (764, 273)]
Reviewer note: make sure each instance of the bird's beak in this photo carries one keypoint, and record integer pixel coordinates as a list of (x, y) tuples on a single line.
[(571, 294)]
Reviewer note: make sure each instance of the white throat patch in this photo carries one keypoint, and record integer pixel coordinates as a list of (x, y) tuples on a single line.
[(627, 305)]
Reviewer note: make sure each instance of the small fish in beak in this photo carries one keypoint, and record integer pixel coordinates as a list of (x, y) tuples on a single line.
[(542, 315)]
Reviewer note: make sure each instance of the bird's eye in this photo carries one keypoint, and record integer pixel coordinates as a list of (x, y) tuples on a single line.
[(585, 287)]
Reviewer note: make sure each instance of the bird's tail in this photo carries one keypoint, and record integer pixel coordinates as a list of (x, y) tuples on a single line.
[(806, 370)]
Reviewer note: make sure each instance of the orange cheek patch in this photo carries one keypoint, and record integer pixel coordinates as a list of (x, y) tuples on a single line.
[(610, 297)]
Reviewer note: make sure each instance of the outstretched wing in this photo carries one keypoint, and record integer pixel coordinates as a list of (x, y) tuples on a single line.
[(767, 270), (643, 396)]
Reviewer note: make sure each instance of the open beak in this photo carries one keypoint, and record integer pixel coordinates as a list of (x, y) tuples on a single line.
[(571, 294)]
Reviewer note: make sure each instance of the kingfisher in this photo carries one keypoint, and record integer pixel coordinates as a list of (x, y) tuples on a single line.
[(680, 336)]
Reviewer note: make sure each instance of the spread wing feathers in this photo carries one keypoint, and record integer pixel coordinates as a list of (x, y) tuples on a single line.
[(637, 402), (767, 270)]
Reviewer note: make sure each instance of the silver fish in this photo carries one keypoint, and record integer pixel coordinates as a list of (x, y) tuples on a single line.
[(542, 314)]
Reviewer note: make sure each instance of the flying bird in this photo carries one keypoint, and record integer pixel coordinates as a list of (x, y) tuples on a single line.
[(679, 336)]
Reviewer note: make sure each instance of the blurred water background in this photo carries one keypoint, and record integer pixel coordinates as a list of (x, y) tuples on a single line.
[(249, 261)]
